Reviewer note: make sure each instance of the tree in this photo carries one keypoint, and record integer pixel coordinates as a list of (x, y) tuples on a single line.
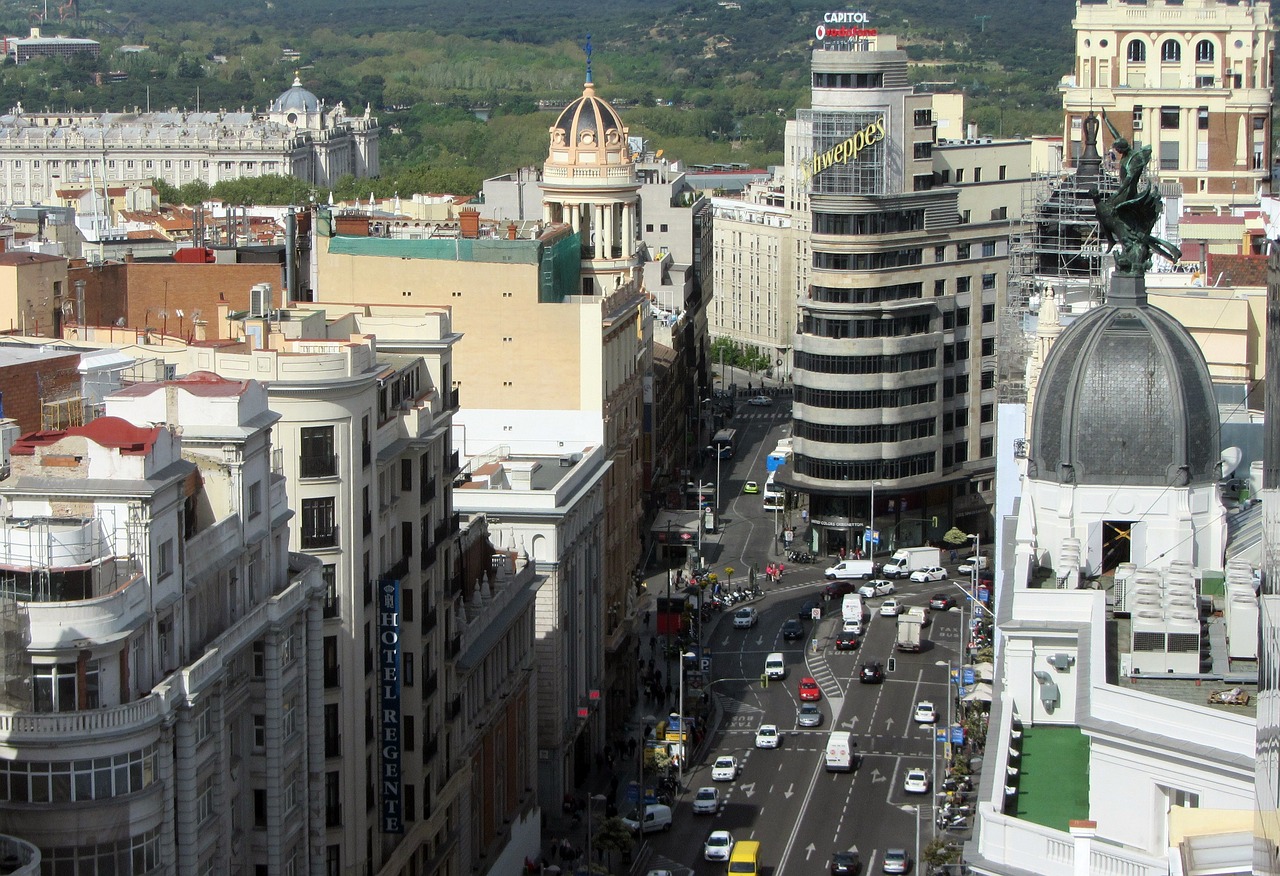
[(613, 837), (956, 536)]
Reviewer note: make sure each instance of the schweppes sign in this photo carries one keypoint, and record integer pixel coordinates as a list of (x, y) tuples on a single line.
[(846, 150)]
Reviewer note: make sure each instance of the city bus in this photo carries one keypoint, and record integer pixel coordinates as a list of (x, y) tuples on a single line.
[(773, 495), (725, 443)]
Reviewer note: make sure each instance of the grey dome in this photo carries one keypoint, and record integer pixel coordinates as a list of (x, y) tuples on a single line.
[(1125, 398), (297, 99), (588, 113)]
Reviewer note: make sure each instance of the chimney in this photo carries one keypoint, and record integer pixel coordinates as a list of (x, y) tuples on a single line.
[(972, 131), (469, 222), (128, 256), (512, 231)]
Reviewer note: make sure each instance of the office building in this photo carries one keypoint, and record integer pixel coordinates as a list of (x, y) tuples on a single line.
[(1192, 80), (161, 699)]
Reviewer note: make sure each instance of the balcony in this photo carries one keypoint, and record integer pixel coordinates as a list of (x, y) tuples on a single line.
[(323, 466), (431, 686), (65, 624), (454, 709), (399, 571), (71, 728), (453, 647), (214, 545), (321, 539)]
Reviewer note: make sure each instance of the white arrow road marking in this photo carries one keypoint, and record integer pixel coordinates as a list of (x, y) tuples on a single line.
[(809, 850), (876, 778), (787, 793), (747, 788)]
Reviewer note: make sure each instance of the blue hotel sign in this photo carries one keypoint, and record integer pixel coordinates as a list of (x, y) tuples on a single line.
[(389, 683)]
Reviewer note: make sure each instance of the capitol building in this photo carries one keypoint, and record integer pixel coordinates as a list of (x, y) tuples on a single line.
[(298, 135)]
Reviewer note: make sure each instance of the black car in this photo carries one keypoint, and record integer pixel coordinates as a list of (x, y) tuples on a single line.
[(845, 864), (942, 601), (806, 610), (846, 641), (871, 673), (792, 629)]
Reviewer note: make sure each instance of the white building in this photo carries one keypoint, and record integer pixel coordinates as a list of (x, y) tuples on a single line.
[(297, 135), (160, 710)]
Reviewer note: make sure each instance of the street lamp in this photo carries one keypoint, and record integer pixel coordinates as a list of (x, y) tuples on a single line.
[(592, 800), (871, 525), (907, 807), (684, 730)]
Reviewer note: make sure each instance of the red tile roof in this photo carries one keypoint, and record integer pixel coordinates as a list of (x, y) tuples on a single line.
[(129, 439)]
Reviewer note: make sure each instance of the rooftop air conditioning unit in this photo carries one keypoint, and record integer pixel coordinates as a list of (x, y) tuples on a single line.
[(259, 300)]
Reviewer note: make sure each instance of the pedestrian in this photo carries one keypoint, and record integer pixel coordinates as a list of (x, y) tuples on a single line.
[(653, 644), (657, 676), (668, 690), (840, 552), (804, 515), (646, 620), (555, 848), (613, 786), (651, 665)]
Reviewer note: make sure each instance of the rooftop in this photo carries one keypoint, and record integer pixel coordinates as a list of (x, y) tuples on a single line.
[(1053, 783)]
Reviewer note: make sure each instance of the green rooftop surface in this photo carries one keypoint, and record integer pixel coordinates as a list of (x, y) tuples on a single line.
[(1053, 785)]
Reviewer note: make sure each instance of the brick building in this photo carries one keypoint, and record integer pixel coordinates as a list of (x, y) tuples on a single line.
[(30, 377)]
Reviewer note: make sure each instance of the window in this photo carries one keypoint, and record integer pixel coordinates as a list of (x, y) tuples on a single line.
[(406, 475), (259, 659), (1137, 117), (332, 730), (1205, 81), (331, 673), (922, 151), (988, 282), (1136, 51), (1168, 118), (988, 249), (962, 250), (939, 254), (1202, 118), (988, 313), (164, 560), (986, 447), (998, 213), (318, 459), (289, 719), (329, 573), (959, 174), (939, 288), (406, 669), (977, 174), (55, 687), (962, 285), (1169, 155), (319, 522), (1259, 123), (1170, 51), (662, 228), (259, 732), (988, 346), (333, 812), (962, 414), (255, 499), (988, 379), (1004, 171), (988, 413), (259, 807), (1204, 52)]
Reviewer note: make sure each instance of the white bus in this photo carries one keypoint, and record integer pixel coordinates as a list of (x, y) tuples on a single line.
[(774, 497)]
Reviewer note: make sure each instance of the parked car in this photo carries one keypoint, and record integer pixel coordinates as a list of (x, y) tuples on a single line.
[(840, 588), (916, 782), (929, 573), (942, 601), (808, 715), (877, 587), (768, 736), (725, 769), (891, 607), (925, 713), (706, 801), (967, 567), (896, 861), (745, 618), (760, 401), (872, 672), (792, 629), (718, 846), (750, 487), (809, 690)]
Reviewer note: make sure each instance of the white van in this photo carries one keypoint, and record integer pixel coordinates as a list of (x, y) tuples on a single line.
[(775, 666), (656, 817), (847, 569), (839, 754)]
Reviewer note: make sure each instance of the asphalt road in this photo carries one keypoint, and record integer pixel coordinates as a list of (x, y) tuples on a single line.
[(785, 798)]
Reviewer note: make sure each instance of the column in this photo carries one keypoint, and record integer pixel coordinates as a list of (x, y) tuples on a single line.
[(628, 230), (606, 232), (186, 790), (1082, 833), (165, 776), (273, 730), (315, 722), (546, 212)]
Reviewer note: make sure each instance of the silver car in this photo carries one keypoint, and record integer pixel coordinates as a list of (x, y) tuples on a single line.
[(809, 715)]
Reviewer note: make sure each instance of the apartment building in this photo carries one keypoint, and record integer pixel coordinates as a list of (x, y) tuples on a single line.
[(160, 714), (1192, 80)]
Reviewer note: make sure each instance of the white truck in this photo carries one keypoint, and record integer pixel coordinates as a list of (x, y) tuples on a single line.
[(846, 569), (839, 754), (851, 608), (907, 560), (910, 628)]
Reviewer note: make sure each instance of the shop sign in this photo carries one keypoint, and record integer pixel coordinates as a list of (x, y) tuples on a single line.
[(846, 150)]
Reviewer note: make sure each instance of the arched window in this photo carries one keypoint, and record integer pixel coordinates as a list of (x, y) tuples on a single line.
[(1137, 51), (1204, 52), (1170, 51)]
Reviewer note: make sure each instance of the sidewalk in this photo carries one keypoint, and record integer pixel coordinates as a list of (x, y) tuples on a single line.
[(612, 780)]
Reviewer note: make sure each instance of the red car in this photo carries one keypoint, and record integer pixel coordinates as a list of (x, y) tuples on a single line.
[(809, 689)]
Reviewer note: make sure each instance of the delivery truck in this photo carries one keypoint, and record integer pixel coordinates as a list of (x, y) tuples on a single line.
[(907, 560), (911, 629), (839, 754), (851, 609)]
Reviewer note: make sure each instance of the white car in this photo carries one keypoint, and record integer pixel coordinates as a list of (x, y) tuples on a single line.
[(718, 847), (925, 713), (760, 401), (768, 736), (725, 769), (968, 566), (876, 587), (930, 573), (890, 608), (916, 782), (745, 618), (706, 801)]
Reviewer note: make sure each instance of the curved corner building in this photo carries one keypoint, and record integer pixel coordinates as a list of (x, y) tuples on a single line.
[(900, 271)]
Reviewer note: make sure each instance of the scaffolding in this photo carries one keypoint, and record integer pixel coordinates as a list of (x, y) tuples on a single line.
[(1054, 251)]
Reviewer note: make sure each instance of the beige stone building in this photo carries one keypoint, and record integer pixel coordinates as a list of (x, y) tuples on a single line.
[(33, 288), (1191, 79)]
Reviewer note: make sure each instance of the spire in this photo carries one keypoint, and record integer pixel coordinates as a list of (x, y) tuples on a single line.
[(588, 48), (297, 79)]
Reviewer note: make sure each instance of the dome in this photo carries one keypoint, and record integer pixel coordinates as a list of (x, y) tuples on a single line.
[(589, 122), (1125, 398), (297, 99)]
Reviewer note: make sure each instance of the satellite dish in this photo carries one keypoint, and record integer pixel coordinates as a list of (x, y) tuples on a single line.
[(179, 313), (120, 322), (1231, 457)]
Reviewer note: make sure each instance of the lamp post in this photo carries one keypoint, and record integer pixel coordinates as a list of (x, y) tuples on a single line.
[(684, 730), (908, 807), (592, 799), (871, 524)]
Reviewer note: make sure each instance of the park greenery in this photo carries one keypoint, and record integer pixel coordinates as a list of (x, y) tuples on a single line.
[(705, 82)]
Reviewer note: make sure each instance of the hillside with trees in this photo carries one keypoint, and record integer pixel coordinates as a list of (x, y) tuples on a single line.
[(708, 82)]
